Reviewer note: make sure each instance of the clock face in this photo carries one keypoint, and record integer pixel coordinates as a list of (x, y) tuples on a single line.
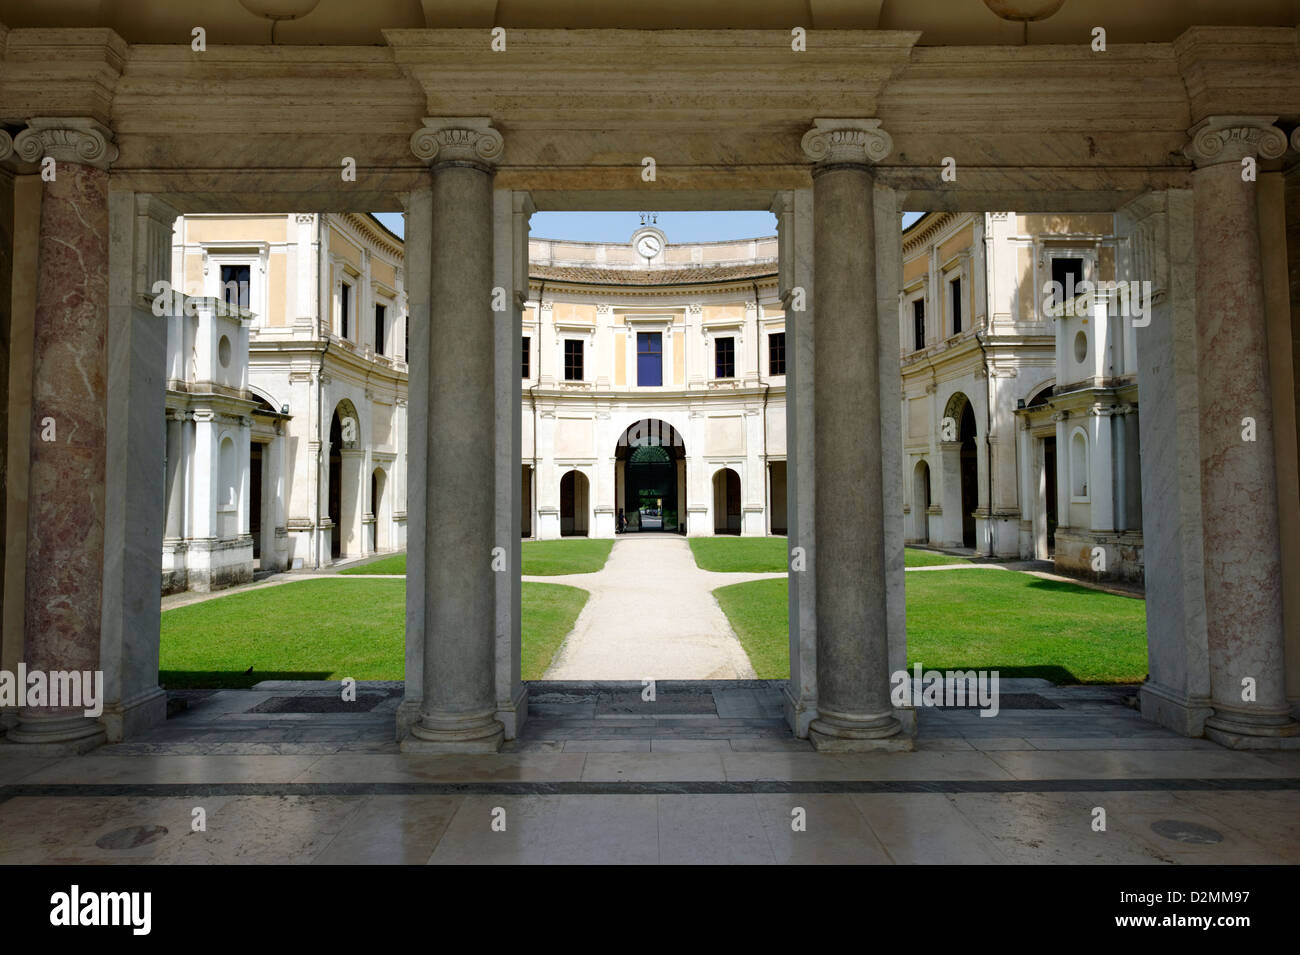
[(649, 246)]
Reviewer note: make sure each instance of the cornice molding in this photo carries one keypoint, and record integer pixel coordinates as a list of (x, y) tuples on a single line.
[(936, 223)]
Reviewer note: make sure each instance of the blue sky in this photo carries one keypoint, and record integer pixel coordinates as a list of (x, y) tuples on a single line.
[(619, 226)]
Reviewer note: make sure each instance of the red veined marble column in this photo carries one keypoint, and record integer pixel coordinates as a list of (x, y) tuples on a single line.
[(65, 523)]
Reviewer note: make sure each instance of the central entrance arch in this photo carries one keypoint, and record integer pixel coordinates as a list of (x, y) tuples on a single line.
[(650, 478)]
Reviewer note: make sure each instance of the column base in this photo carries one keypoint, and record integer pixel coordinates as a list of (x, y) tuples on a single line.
[(56, 734), (1184, 715), (408, 714), (1237, 730), (476, 733), (798, 713), (124, 720), (512, 714), (842, 733)]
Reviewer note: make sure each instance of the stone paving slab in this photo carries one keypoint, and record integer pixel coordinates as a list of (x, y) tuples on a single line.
[(676, 828)]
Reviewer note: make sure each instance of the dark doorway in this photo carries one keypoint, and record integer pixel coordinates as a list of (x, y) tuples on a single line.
[(255, 501), (776, 497), (335, 505), (650, 489), (573, 504), (726, 502), (1049, 477), (526, 501), (650, 478), (969, 476)]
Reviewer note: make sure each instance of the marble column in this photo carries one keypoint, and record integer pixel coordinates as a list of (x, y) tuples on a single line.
[(458, 705), (65, 526), (1239, 502), (853, 700)]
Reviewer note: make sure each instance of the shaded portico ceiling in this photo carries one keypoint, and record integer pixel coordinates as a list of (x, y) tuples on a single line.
[(248, 126), (362, 22)]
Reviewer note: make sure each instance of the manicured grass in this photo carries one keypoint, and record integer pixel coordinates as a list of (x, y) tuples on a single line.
[(731, 555), (975, 619), (541, 559), (928, 558), (757, 612), (327, 630), (768, 555), (396, 564), (573, 556), (549, 611)]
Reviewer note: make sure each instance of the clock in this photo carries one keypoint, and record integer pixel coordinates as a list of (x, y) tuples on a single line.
[(649, 245)]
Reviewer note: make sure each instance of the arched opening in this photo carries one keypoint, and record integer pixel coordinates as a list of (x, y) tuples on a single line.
[(726, 502), (573, 504), (1079, 465), (334, 506), (255, 501), (380, 509), (346, 477), (969, 475), (228, 489), (921, 503), (650, 478)]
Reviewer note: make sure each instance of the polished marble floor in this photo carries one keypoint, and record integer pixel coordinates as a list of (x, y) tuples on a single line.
[(706, 775)]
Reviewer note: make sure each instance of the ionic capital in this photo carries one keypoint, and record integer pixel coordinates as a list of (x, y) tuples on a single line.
[(1230, 139), (67, 139), (459, 139), (847, 141), (6, 145)]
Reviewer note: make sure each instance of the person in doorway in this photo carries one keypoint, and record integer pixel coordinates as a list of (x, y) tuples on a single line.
[(622, 521)]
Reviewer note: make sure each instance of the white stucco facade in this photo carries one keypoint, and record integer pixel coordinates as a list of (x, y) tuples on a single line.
[(322, 392), (1020, 424)]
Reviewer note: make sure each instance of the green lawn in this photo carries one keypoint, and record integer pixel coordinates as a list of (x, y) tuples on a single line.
[(395, 564), (541, 559), (928, 558), (327, 630), (549, 611), (573, 556), (975, 619), (768, 555)]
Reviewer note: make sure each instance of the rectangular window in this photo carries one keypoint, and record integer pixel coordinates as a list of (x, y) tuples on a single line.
[(776, 353), (649, 358), (918, 324), (345, 309), (381, 314), (573, 359), (724, 358), (1067, 274), (954, 287), (234, 284), (526, 365)]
